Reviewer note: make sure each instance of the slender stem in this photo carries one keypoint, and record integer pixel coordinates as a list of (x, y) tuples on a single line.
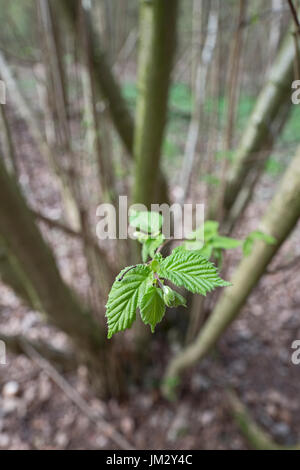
[(158, 281)]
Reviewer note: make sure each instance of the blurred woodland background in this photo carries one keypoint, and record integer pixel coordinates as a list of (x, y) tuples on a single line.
[(163, 101)]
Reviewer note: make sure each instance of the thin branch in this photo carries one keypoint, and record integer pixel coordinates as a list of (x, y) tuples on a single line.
[(255, 435), (106, 428), (294, 15), (75, 234), (199, 98), (296, 33), (56, 224), (158, 281), (15, 343)]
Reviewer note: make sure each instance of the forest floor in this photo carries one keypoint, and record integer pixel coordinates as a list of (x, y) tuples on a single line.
[(253, 357)]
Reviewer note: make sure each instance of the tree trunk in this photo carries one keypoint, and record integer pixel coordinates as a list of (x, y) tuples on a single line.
[(104, 77), (10, 151), (12, 278), (109, 88), (24, 110), (53, 61), (258, 137), (157, 46), (199, 100), (279, 221), (34, 259), (105, 167), (232, 97)]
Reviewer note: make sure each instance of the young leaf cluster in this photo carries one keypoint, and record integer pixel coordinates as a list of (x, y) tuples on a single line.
[(210, 243), (142, 287)]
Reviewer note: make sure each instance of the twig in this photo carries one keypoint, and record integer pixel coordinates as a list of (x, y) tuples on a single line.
[(295, 34), (255, 435), (75, 234), (56, 224), (77, 399), (294, 14), (199, 92), (158, 281), (63, 358)]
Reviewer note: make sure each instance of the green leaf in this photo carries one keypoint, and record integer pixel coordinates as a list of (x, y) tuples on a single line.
[(205, 232), (226, 243), (211, 242), (192, 271), (145, 251), (256, 235), (154, 265), (124, 296), (211, 228), (149, 222), (172, 298), (247, 246), (151, 245), (193, 245), (152, 306), (141, 237), (205, 251)]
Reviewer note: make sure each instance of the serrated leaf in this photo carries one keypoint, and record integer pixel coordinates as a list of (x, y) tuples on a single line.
[(123, 298), (149, 222), (152, 306), (179, 300), (172, 298), (158, 257), (192, 271)]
